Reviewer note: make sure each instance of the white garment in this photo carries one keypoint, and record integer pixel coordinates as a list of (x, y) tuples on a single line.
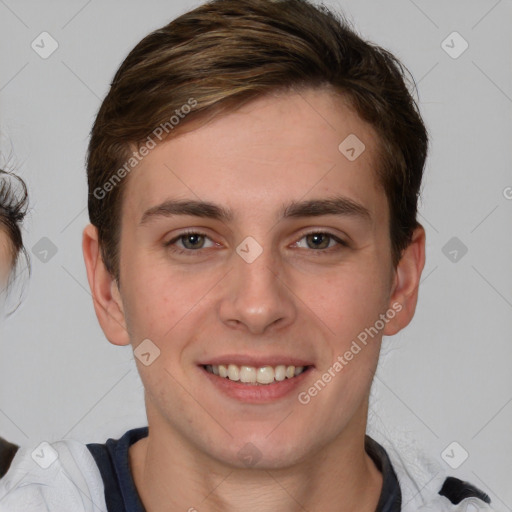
[(72, 483), (421, 479)]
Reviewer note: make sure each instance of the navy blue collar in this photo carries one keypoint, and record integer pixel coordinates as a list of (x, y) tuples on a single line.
[(121, 494)]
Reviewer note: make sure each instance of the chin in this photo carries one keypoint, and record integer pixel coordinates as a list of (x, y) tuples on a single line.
[(262, 452)]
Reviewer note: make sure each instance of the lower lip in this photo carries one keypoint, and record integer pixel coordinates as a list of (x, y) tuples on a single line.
[(254, 393)]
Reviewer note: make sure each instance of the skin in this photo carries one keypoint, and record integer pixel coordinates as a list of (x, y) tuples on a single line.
[(294, 299), (5, 259)]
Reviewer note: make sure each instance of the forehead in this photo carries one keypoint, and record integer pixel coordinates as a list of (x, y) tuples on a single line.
[(271, 151)]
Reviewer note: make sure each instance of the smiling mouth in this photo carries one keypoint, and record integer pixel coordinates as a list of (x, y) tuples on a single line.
[(251, 375)]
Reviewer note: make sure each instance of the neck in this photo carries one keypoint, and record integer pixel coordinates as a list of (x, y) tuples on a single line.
[(339, 478)]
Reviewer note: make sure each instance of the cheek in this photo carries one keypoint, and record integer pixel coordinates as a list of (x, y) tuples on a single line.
[(159, 302), (351, 300), (5, 267), (152, 309)]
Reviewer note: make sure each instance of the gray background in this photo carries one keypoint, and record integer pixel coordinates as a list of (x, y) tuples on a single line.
[(445, 378)]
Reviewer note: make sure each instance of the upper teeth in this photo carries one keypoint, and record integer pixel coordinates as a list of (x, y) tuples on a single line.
[(252, 375)]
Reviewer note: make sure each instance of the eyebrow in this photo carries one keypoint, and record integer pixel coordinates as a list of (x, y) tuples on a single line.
[(338, 205)]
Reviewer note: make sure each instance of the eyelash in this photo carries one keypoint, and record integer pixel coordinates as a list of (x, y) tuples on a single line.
[(190, 252)]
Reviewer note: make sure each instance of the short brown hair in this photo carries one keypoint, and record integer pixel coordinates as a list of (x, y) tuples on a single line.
[(228, 52)]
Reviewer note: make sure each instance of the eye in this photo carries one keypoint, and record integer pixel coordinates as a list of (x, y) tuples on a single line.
[(320, 240), (193, 241), (189, 242)]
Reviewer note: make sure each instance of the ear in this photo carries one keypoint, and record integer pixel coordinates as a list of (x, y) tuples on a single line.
[(404, 294), (104, 289)]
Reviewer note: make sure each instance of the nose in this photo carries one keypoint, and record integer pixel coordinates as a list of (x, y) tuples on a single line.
[(256, 296)]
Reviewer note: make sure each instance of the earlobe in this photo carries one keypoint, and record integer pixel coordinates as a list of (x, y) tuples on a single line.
[(406, 283), (104, 290)]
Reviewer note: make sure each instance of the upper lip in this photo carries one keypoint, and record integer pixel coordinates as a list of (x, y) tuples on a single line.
[(256, 361)]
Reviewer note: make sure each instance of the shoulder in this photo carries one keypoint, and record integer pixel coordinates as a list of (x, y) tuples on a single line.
[(52, 476), (72, 476), (427, 487)]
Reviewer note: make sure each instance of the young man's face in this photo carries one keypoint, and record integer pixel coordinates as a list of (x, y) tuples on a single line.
[(214, 299)]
